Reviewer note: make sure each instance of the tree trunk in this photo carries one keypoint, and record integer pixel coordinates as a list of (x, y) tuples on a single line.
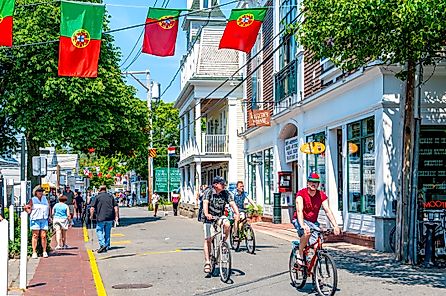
[(32, 150), (404, 214)]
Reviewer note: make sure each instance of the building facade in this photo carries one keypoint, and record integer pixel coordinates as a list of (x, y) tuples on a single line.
[(210, 104), (357, 117)]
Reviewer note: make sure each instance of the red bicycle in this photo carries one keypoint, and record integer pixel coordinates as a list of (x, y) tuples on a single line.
[(317, 263)]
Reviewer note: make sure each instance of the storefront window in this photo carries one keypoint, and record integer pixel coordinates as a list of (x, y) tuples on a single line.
[(316, 162), (252, 164), (432, 167), (268, 175), (361, 166)]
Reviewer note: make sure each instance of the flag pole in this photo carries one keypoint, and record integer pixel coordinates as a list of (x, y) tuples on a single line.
[(168, 175)]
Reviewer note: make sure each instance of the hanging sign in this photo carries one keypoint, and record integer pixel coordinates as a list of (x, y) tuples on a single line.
[(291, 149), (259, 118), (352, 148), (312, 148)]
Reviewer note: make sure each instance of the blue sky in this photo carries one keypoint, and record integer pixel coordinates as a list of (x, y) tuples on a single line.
[(132, 12)]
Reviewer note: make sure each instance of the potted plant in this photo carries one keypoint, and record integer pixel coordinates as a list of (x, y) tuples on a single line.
[(254, 215)]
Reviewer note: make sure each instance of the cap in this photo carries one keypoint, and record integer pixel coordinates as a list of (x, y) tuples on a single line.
[(314, 177), (38, 188), (219, 180)]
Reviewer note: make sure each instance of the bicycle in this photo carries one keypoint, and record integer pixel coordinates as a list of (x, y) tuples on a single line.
[(319, 265), (220, 252), (247, 234)]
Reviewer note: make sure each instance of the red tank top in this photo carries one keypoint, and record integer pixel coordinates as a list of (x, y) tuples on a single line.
[(312, 205)]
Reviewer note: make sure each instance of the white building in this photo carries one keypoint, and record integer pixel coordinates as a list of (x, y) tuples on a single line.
[(210, 118), (357, 117)]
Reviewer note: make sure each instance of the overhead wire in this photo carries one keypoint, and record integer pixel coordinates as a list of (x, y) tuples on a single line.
[(241, 68)]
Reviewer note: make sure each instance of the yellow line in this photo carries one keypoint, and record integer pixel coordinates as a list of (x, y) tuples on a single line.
[(117, 243), (96, 275), (86, 239), (117, 235), (161, 252)]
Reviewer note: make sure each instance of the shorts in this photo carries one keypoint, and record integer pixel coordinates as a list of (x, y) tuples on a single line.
[(241, 213), (300, 230), (209, 229), (71, 207), (39, 224), (60, 224), (79, 209)]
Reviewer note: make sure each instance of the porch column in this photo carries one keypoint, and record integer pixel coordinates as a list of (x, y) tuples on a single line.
[(197, 179), (232, 140), (198, 127)]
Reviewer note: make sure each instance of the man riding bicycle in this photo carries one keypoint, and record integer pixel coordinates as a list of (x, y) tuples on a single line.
[(214, 201), (308, 203), (240, 195)]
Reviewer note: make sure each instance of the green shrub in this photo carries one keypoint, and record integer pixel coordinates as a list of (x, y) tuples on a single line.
[(252, 212)]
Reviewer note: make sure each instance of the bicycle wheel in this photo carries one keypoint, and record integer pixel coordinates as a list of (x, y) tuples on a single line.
[(325, 275), (234, 244), (298, 274), (250, 239), (225, 262), (392, 237)]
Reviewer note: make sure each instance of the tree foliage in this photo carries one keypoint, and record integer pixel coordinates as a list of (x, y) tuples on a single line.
[(353, 33), (103, 170), (63, 111)]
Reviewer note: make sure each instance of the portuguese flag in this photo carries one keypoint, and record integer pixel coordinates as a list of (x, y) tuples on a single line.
[(80, 38), (6, 14), (242, 28), (161, 32)]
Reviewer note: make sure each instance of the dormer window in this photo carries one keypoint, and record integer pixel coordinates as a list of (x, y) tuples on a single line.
[(206, 4)]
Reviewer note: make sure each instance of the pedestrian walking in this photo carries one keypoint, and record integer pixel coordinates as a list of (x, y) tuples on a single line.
[(70, 199), (39, 211), (155, 202), (106, 210), (78, 205), (61, 222), (175, 201)]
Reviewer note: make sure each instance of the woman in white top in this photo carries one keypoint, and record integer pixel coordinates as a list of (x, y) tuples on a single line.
[(38, 210)]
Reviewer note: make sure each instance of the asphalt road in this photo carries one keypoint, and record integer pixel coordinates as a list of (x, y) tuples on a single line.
[(165, 254)]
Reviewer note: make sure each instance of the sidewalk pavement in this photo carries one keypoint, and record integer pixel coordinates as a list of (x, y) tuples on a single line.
[(64, 272), (14, 275)]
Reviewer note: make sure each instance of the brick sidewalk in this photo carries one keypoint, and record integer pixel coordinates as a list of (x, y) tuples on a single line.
[(64, 272)]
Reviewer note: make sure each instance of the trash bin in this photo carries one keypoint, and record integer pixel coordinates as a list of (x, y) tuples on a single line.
[(277, 209)]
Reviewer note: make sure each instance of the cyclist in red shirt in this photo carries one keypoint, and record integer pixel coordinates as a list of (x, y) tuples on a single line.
[(308, 203)]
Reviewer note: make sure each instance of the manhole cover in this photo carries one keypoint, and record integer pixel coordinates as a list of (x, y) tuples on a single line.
[(131, 286)]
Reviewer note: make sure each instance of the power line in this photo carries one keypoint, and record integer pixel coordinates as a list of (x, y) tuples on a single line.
[(133, 49), (243, 66)]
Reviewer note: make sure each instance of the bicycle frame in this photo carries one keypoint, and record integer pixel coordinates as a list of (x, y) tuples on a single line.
[(317, 247)]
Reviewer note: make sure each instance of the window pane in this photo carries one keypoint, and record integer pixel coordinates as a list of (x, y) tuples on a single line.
[(354, 130), (368, 126), (368, 168), (354, 177)]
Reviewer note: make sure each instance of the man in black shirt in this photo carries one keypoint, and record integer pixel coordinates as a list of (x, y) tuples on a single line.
[(106, 212), (70, 199), (215, 200)]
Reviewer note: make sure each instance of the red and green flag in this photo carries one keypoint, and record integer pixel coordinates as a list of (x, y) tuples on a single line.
[(161, 32), (242, 28), (6, 16), (80, 38)]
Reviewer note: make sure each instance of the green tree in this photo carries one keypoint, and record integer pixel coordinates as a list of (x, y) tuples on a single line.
[(63, 111), (353, 33), (102, 169)]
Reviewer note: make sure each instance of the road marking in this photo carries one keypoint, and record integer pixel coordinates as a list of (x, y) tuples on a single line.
[(117, 235), (96, 275), (117, 243), (160, 252), (86, 238)]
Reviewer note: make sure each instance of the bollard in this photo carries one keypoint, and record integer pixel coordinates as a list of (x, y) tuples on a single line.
[(23, 193), (23, 248), (11, 223), (4, 254)]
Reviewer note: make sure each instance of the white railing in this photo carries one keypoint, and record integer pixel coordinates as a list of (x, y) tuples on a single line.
[(214, 144)]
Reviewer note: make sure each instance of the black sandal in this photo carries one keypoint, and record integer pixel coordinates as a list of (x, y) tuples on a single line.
[(207, 268)]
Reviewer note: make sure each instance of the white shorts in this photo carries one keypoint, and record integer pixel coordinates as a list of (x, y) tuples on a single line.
[(60, 224), (209, 229)]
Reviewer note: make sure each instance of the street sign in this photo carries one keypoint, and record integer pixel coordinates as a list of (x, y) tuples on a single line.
[(161, 179), (39, 166), (152, 152)]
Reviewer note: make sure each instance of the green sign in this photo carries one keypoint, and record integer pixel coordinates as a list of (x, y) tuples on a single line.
[(161, 177)]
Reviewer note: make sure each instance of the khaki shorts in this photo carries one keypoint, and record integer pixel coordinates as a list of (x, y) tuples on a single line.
[(209, 229)]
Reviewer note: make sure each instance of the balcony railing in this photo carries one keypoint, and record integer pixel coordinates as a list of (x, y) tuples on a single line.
[(286, 82), (215, 144)]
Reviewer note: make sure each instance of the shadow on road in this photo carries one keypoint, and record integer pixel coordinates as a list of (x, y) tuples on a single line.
[(378, 265), (127, 221)]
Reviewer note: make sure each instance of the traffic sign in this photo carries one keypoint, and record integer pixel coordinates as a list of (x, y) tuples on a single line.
[(161, 179), (39, 166), (152, 152)]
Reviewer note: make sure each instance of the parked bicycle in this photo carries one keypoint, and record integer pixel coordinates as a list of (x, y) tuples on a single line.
[(246, 233), (220, 252), (318, 264)]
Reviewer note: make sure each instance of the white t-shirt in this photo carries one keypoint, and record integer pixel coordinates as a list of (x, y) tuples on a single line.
[(40, 209), (155, 198)]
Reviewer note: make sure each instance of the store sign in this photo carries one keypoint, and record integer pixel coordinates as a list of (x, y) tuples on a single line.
[(291, 149), (312, 148), (259, 118)]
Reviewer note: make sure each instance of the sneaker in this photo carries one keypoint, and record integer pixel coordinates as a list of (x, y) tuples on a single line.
[(34, 256), (59, 248), (102, 249), (45, 255), (66, 246)]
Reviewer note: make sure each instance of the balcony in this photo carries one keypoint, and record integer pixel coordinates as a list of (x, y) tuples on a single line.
[(286, 87), (215, 144)]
